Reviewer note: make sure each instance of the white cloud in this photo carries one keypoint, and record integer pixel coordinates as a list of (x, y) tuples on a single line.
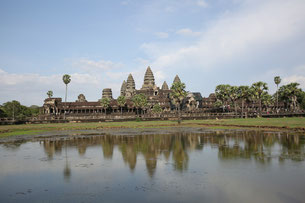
[(257, 25), (100, 65), (202, 3), (295, 78), (161, 35), (188, 32)]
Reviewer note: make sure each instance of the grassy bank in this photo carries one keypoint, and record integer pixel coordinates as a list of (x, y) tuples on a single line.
[(295, 123)]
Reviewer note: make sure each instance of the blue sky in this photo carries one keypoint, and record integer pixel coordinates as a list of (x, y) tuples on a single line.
[(205, 42)]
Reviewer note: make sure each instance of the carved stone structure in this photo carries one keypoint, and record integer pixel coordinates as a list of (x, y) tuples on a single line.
[(177, 79), (149, 80), (130, 87), (81, 98), (107, 93), (193, 104), (123, 88), (164, 86), (154, 94)]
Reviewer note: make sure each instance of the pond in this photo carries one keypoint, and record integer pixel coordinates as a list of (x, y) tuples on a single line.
[(202, 166)]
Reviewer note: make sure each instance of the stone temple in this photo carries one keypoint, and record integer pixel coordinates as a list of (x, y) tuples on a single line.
[(154, 94)]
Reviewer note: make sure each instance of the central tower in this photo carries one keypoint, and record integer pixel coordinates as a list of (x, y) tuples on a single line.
[(149, 80)]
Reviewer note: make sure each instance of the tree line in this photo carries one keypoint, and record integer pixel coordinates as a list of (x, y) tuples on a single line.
[(290, 95), (16, 111)]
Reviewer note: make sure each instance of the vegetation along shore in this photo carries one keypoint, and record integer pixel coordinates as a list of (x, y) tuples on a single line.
[(294, 123)]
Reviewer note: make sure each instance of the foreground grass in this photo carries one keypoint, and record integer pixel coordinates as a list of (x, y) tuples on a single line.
[(29, 129)]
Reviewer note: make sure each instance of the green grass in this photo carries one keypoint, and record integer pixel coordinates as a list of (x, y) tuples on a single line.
[(29, 129)]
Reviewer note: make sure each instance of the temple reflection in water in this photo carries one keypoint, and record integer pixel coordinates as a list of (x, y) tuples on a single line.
[(252, 145)]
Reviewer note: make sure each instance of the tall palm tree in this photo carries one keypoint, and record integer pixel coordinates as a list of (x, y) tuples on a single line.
[(66, 79), (177, 95), (122, 102), (243, 94), (277, 81), (258, 89), (50, 93)]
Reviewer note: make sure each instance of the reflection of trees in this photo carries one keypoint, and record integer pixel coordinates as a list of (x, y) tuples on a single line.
[(107, 145), (129, 154), (231, 145), (67, 169), (179, 153), (292, 147)]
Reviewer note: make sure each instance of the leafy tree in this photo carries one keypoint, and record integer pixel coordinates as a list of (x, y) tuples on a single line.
[(105, 102), (233, 94), (301, 100), (243, 94), (2, 112), (34, 110), (144, 102), (50, 93), (222, 93), (267, 99), (136, 99), (122, 102), (15, 110), (157, 109), (289, 94), (277, 81), (139, 101), (257, 91), (66, 79), (218, 104), (177, 95)]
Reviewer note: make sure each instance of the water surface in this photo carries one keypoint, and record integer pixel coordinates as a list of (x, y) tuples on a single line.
[(220, 166)]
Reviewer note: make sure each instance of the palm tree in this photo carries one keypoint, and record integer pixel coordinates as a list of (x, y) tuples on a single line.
[(105, 102), (177, 95), (50, 93), (289, 94), (277, 81), (234, 96), (258, 89), (122, 102), (139, 101), (66, 79), (267, 100), (143, 103), (243, 94), (222, 93)]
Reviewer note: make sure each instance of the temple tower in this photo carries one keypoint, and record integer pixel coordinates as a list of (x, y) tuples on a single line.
[(107, 93), (149, 80), (177, 79), (81, 98), (130, 87), (123, 88), (164, 86)]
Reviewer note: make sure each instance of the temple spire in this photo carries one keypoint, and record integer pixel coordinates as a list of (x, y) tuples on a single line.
[(177, 79), (149, 80), (123, 88), (130, 83), (164, 86)]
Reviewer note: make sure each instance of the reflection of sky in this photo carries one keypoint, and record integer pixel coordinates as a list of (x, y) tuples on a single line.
[(29, 172)]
